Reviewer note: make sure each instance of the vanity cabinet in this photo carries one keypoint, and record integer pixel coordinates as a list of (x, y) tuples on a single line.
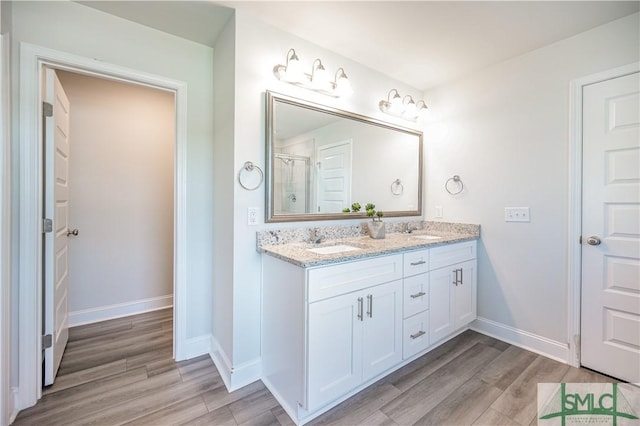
[(330, 330), (452, 288)]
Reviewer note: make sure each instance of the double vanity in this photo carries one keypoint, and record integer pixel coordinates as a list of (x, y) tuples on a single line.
[(344, 312)]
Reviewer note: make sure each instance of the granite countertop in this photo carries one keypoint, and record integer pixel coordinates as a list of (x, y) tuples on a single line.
[(297, 252)]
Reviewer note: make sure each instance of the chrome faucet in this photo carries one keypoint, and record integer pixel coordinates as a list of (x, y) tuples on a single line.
[(315, 236), (407, 229)]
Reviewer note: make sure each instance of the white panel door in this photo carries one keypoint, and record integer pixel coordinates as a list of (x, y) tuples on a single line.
[(382, 339), (610, 312), (56, 207), (335, 348), (334, 177)]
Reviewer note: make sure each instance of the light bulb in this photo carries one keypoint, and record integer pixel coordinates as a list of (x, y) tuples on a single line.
[(410, 110), (396, 106), (343, 86), (320, 77), (293, 71)]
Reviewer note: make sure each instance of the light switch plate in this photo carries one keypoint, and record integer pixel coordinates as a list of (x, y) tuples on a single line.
[(252, 216), (516, 214), (438, 212)]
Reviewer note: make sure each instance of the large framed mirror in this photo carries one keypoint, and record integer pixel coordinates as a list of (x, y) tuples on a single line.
[(321, 160)]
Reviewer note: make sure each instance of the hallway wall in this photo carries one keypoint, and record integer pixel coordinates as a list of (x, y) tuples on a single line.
[(121, 191)]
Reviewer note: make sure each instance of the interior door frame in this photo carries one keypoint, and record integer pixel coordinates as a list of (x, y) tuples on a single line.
[(32, 61), (575, 202)]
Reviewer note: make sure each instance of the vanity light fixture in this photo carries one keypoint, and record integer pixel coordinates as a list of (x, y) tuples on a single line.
[(406, 107), (318, 80)]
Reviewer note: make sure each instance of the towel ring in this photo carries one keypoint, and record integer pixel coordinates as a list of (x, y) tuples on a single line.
[(245, 176), (455, 179), (396, 187)]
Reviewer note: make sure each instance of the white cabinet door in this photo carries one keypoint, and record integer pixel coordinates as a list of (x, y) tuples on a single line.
[(441, 317), (382, 329), (464, 299), (334, 349)]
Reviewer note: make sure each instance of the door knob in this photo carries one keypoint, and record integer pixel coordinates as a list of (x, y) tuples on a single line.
[(593, 241), (74, 232)]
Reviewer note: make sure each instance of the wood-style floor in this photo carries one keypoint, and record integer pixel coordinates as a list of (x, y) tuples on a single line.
[(121, 372)]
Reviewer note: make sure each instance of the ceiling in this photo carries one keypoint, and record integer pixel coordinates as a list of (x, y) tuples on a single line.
[(421, 43)]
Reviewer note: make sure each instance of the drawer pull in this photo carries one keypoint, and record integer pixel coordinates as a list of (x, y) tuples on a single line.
[(415, 296), (418, 334), (420, 262)]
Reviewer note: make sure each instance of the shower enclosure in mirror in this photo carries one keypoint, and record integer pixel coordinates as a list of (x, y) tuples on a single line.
[(320, 160)]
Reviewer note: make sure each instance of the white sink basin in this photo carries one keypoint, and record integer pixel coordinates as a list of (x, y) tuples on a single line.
[(427, 237), (338, 248)]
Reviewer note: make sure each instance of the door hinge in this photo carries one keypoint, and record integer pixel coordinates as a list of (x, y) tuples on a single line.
[(47, 225), (47, 109), (47, 341)]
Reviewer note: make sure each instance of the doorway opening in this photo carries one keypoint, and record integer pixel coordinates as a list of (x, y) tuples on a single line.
[(108, 182), (34, 60)]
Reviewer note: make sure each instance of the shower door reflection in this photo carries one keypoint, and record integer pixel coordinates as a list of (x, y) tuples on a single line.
[(291, 176)]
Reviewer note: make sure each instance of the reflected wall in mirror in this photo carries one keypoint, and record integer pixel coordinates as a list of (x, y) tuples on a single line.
[(320, 160)]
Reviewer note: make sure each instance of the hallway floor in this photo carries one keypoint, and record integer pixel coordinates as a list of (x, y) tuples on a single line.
[(122, 372)]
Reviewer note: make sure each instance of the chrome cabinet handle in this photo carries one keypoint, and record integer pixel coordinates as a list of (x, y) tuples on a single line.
[(370, 305), (593, 241), (455, 280), (74, 232), (418, 334), (461, 277), (420, 262), (415, 296), (360, 308)]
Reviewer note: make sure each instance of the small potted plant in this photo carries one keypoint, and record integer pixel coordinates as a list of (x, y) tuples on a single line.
[(376, 226)]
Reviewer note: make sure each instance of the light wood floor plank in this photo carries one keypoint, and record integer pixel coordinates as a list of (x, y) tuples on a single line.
[(519, 400), (174, 414), (465, 405), (85, 376), (220, 417), (356, 409), (417, 401)]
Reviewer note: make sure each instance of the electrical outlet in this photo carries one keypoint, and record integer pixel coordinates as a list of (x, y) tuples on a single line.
[(516, 214), (439, 212), (252, 216)]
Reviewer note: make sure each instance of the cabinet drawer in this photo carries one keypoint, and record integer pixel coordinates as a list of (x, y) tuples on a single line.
[(415, 294), (415, 334), (452, 254), (416, 262), (334, 280)]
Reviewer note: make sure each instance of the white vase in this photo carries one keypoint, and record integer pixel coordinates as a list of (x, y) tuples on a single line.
[(376, 229)]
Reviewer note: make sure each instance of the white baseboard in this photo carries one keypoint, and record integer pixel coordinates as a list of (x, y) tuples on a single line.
[(103, 313), (196, 346), (234, 377), (553, 349), (13, 398)]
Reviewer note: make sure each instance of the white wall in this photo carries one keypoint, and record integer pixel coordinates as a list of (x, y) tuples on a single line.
[(504, 130), (223, 192), (258, 47), (121, 191), (79, 30)]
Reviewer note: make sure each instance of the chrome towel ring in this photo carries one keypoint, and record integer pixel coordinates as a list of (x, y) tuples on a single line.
[(396, 187), (247, 178), (454, 185)]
